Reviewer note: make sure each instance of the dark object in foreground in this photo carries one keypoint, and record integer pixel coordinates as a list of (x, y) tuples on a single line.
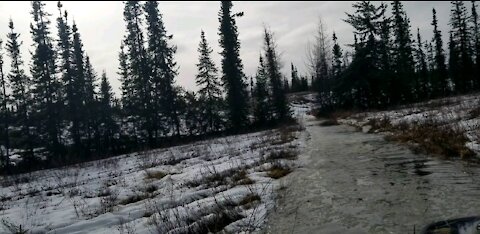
[(466, 225)]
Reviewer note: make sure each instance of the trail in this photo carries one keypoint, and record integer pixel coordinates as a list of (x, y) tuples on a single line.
[(352, 182)]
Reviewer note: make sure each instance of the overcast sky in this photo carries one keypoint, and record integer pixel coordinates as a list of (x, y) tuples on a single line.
[(102, 28)]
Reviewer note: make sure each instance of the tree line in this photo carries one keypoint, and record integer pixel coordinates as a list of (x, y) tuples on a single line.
[(390, 66), (63, 112)]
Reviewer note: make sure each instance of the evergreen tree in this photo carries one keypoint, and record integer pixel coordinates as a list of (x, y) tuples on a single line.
[(125, 78), (66, 72), (453, 62), (4, 156), (403, 56), (107, 126), (421, 67), (193, 113), (279, 99), (20, 86), (440, 83), (46, 90), (296, 85), (461, 48), (89, 107), (209, 87), (476, 45), (261, 107), (361, 84), (388, 84), (232, 69), (138, 69), (337, 58), (162, 67)]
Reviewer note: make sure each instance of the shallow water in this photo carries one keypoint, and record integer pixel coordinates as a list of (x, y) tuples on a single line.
[(352, 182)]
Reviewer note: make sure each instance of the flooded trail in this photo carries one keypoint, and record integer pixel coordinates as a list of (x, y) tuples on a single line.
[(352, 182)]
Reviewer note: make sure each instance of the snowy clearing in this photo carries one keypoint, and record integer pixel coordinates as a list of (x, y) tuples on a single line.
[(220, 185)]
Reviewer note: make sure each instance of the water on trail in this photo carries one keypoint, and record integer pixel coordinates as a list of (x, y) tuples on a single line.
[(352, 182)]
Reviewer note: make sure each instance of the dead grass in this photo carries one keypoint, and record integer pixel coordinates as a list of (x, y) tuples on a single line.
[(241, 178), (380, 124), (132, 199), (278, 171), (150, 175), (430, 137), (248, 200), (282, 154)]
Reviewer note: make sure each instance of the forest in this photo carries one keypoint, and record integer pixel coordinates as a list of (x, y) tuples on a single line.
[(64, 112)]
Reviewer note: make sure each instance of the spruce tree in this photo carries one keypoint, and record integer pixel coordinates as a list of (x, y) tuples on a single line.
[(66, 73), (296, 85), (278, 96), (476, 44), (361, 84), (337, 58), (20, 86), (440, 83), (262, 106), (89, 107), (107, 126), (162, 66), (232, 69), (46, 90), (138, 69), (403, 54), (461, 39), (209, 86), (125, 78), (5, 115), (421, 68)]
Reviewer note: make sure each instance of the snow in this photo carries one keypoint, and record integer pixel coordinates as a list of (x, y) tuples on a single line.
[(459, 112), (198, 185)]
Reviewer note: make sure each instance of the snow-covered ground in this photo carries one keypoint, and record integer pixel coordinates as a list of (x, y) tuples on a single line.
[(220, 184), (459, 112)]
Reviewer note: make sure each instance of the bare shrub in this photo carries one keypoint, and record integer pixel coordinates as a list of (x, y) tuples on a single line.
[(108, 199), (431, 137), (278, 170)]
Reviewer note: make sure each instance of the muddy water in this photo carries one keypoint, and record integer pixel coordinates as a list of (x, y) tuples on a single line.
[(351, 182)]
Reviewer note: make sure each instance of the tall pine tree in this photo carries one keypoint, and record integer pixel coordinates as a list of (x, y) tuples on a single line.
[(403, 55), (461, 48), (210, 86), (232, 68), (440, 75), (261, 101), (20, 85), (163, 68), (279, 99), (5, 156), (107, 126), (46, 90), (421, 68), (66, 72)]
